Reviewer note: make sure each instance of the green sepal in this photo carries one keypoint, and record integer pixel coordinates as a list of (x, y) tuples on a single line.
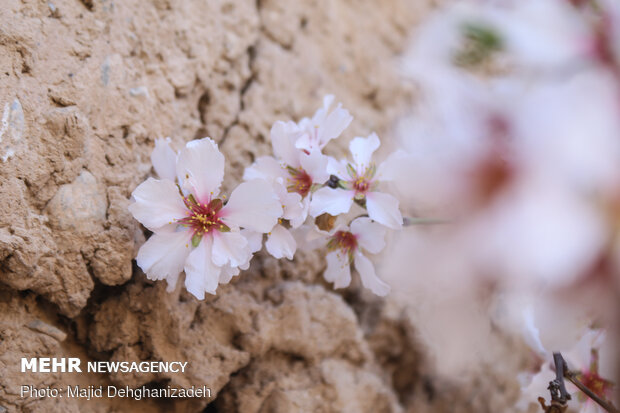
[(216, 204), (480, 42), (196, 240), (292, 171), (223, 228), (191, 199), (484, 36), (351, 171)]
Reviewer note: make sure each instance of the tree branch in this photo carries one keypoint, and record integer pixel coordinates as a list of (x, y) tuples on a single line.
[(561, 369)]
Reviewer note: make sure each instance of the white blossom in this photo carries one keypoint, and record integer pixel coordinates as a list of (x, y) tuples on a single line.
[(359, 181), (326, 124), (195, 230), (346, 246), (294, 173)]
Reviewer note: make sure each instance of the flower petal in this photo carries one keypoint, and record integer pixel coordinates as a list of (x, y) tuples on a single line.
[(201, 275), (362, 150), (338, 269), (200, 168), (172, 282), (265, 167), (255, 239), (315, 164), (283, 137), (383, 208), (335, 123), (324, 126), (253, 205), (338, 168), (163, 255), (321, 113), (331, 201), (300, 218), (280, 243), (227, 273), (157, 203), (369, 279), (293, 208), (395, 166), (370, 235), (230, 247), (164, 159)]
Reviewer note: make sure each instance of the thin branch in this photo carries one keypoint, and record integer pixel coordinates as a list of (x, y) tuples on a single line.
[(557, 387), (424, 221), (561, 368), (605, 404)]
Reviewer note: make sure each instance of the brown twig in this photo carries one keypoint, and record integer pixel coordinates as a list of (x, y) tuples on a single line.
[(557, 387)]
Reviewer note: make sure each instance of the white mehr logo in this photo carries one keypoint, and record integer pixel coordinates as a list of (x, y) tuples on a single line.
[(51, 365)]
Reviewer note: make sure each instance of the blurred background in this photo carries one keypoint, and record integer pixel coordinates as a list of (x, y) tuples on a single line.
[(512, 176)]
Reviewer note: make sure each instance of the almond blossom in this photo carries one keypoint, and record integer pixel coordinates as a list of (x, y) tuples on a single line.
[(345, 246), (293, 173), (359, 182), (325, 125), (195, 229)]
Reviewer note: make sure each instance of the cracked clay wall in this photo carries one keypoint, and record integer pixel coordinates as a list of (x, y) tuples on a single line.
[(85, 89)]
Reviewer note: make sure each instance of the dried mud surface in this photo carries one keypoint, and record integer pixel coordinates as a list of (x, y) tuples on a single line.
[(86, 87)]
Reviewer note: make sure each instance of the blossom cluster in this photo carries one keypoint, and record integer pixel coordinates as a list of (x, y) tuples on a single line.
[(297, 196)]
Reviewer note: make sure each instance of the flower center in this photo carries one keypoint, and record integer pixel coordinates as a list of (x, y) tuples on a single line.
[(344, 241), (203, 218), (596, 383), (299, 181), (361, 183), (591, 379)]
